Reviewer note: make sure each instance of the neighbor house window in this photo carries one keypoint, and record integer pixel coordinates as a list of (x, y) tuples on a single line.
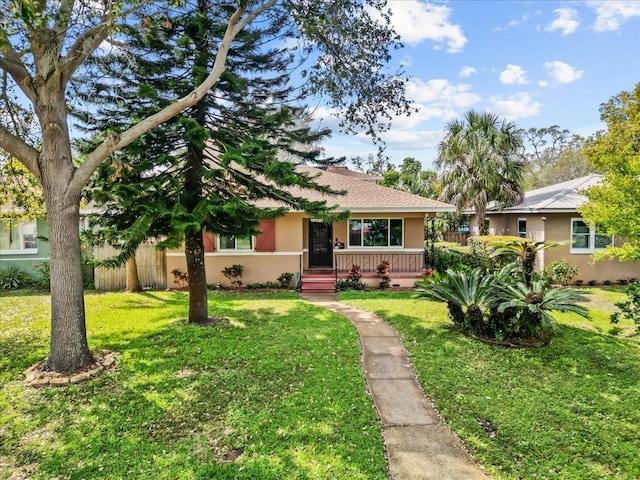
[(522, 227), (586, 239), (231, 242), (375, 232), (19, 238)]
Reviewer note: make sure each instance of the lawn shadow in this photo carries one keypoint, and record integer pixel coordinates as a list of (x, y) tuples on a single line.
[(185, 400)]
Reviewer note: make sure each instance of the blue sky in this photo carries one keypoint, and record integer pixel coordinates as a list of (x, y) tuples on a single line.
[(538, 63)]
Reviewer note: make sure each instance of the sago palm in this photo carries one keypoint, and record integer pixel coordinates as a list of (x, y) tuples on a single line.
[(478, 163), (468, 295), (533, 304)]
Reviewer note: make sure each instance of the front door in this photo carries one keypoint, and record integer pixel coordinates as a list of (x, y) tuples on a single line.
[(320, 246)]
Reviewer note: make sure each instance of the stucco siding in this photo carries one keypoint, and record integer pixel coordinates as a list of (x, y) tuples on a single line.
[(258, 267), (557, 227)]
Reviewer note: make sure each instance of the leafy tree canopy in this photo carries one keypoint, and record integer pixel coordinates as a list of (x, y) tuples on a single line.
[(412, 178), (553, 155), (614, 205)]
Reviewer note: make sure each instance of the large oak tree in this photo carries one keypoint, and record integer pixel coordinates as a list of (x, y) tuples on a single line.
[(44, 44)]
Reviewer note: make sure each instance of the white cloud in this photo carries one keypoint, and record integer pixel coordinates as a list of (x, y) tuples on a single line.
[(566, 21), (513, 23), (440, 93), (563, 72), (543, 83), (513, 74), (467, 72), (515, 106), (416, 21), (414, 139), (610, 15)]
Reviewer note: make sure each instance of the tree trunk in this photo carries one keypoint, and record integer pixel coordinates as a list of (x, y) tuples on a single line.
[(68, 346), (194, 252), (479, 222), (133, 280)]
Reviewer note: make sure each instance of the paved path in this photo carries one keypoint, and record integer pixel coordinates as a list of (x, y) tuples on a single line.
[(419, 445)]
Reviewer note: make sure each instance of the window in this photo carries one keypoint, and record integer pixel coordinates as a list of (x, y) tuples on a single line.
[(585, 239), (522, 227), (375, 232), (19, 238), (231, 242)]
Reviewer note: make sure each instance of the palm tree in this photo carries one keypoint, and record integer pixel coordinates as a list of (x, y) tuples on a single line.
[(477, 158)]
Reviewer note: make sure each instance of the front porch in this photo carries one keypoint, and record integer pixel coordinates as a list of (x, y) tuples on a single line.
[(405, 269)]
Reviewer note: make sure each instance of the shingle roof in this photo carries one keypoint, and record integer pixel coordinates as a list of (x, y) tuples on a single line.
[(363, 196), (351, 173), (561, 197)]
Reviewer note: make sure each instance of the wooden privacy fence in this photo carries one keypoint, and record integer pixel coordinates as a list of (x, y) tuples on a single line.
[(151, 268)]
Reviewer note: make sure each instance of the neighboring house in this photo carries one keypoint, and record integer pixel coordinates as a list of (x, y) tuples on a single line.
[(385, 224), (22, 245), (550, 213)]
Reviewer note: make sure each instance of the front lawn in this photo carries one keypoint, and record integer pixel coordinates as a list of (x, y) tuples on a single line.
[(276, 393), (570, 410)]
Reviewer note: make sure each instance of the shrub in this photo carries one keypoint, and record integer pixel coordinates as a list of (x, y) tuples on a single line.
[(481, 252), (284, 280), (348, 284), (354, 273), (43, 274), (607, 283), (592, 283), (530, 304), (234, 273), (560, 272), (622, 282), (445, 258), (13, 278), (578, 283), (382, 271), (630, 308), (500, 305), (180, 278)]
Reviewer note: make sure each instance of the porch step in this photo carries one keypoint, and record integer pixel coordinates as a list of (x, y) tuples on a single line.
[(317, 283)]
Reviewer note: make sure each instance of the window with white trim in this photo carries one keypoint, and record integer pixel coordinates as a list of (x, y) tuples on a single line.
[(522, 228), (20, 238), (586, 239), (376, 232), (232, 242)]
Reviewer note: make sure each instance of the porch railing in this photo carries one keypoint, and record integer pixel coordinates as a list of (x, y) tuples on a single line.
[(368, 262)]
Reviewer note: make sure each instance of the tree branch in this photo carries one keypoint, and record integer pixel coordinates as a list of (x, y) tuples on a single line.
[(10, 62), (84, 46), (116, 142), (26, 154), (62, 18)]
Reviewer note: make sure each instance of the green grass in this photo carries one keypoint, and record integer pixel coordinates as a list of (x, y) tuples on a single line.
[(281, 382), (570, 410)]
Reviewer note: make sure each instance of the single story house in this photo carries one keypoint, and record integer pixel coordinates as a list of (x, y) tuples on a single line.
[(551, 213), (384, 224)]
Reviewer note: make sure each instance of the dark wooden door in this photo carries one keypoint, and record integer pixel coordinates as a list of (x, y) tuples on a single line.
[(320, 246)]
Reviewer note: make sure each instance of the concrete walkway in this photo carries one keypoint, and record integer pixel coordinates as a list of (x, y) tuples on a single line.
[(419, 445)]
